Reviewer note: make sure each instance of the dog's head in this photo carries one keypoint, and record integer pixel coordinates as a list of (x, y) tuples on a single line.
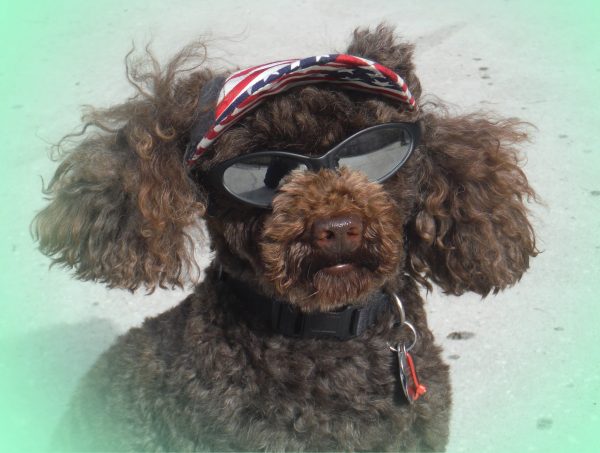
[(401, 190)]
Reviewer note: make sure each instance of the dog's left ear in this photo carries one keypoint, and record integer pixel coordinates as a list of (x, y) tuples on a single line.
[(383, 46), (471, 231)]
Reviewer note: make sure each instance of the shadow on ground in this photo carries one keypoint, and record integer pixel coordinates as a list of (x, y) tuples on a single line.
[(39, 373)]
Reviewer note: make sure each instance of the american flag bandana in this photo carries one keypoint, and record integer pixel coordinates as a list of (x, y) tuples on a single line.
[(243, 90)]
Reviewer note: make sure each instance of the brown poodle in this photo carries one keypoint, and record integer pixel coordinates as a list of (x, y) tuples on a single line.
[(308, 332)]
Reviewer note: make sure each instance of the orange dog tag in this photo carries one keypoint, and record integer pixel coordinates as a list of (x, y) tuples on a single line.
[(411, 386)]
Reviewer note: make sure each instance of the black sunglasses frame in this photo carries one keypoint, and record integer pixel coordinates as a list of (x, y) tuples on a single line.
[(215, 175)]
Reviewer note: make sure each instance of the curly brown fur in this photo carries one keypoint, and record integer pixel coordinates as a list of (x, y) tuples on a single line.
[(209, 374), (121, 200), (382, 46), (235, 386), (471, 232)]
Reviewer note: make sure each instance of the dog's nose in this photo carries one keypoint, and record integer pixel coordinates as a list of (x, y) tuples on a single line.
[(338, 235)]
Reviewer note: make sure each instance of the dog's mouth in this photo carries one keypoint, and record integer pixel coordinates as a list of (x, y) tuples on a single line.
[(334, 282), (322, 278), (318, 281), (341, 266), (339, 269)]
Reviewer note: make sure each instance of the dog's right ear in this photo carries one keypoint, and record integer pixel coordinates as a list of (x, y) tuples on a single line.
[(121, 201)]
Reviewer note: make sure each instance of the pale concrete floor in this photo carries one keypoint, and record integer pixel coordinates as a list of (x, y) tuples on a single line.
[(526, 381)]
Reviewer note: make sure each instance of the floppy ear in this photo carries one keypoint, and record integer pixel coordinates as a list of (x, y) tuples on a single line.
[(383, 46), (121, 199), (471, 231)]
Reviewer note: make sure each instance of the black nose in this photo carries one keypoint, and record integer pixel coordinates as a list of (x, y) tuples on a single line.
[(338, 235)]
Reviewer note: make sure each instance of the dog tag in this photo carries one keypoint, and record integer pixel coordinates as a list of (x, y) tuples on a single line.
[(411, 386)]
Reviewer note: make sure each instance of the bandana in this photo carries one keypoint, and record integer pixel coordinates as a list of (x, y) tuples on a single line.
[(246, 89)]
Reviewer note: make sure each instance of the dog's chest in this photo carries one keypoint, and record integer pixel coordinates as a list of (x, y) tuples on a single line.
[(267, 391)]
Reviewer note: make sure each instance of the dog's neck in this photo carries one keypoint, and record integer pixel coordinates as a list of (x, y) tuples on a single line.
[(286, 319)]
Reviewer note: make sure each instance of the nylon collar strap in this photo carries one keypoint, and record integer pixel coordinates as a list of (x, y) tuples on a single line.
[(288, 321)]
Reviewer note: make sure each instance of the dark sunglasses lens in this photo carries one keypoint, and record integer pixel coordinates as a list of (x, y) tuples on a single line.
[(256, 179), (377, 153)]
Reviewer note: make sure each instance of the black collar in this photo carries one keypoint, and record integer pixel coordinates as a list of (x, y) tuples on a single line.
[(285, 319)]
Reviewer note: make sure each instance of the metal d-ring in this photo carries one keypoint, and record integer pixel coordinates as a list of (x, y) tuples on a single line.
[(403, 322), (414, 331), (399, 307)]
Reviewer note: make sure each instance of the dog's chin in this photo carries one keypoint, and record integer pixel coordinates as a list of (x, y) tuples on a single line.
[(342, 284)]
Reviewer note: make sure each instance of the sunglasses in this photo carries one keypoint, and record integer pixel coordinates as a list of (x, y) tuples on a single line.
[(377, 151)]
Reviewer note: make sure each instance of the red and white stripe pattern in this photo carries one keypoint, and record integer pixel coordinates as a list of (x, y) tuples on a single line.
[(245, 89)]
